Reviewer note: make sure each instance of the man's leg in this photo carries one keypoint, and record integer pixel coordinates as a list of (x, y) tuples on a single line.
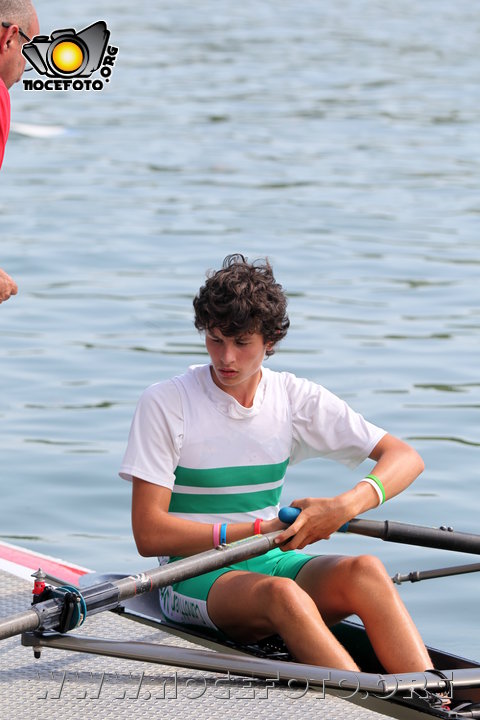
[(342, 586), (250, 606)]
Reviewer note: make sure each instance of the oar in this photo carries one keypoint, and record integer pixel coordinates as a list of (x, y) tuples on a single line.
[(418, 575), (50, 614), (47, 615), (444, 538)]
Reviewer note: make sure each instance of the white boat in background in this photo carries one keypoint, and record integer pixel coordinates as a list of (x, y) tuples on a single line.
[(38, 131)]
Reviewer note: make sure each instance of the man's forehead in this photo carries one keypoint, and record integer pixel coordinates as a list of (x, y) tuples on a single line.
[(216, 332)]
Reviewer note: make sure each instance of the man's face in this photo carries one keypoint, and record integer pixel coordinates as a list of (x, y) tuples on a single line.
[(236, 361), (12, 60)]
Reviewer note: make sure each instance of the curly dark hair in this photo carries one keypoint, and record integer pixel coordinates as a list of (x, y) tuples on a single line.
[(243, 298)]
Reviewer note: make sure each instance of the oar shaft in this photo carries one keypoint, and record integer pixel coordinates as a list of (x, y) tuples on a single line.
[(17, 624), (106, 596), (441, 538), (418, 575), (195, 565)]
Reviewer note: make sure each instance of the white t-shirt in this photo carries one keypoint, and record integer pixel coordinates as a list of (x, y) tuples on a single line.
[(226, 463)]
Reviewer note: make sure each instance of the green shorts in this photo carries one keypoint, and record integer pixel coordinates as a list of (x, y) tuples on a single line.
[(185, 602)]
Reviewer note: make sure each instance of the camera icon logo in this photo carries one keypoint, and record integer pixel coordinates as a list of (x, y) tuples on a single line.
[(68, 54)]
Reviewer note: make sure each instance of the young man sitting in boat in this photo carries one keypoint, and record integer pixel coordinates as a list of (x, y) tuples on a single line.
[(207, 455)]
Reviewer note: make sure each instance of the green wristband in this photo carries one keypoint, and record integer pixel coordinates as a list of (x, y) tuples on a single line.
[(379, 485)]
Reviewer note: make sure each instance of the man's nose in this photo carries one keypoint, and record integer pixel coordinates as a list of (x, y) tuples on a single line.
[(228, 355)]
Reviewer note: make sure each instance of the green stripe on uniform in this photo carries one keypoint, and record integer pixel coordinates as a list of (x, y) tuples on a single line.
[(228, 503), (226, 477)]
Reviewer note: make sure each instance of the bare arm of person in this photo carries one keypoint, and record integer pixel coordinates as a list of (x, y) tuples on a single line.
[(397, 465), (157, 532)]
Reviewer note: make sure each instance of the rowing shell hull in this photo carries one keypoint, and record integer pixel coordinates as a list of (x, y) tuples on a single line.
[(22, 563)]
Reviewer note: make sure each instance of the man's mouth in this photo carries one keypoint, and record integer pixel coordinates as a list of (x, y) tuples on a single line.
[(227, 372)]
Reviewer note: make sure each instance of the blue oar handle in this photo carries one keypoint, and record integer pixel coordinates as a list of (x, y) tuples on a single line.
[(288, 515)]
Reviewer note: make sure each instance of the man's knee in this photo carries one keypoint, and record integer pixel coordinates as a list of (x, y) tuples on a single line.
[(364, 571), (282, 596)]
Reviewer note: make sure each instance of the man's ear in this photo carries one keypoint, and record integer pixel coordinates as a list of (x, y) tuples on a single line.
[(6, 36)]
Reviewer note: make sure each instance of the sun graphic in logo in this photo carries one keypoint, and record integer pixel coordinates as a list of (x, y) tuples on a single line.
[(68, 56)]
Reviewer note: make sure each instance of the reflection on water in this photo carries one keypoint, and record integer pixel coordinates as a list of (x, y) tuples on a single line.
[(342, 142)]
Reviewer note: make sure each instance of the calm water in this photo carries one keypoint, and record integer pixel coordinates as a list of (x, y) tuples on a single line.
[(341, 140)]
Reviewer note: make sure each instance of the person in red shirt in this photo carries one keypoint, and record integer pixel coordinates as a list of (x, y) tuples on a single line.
[(4, 117), (14, 15)]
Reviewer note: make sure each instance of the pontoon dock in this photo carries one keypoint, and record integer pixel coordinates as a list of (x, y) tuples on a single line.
[(72, 685)]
